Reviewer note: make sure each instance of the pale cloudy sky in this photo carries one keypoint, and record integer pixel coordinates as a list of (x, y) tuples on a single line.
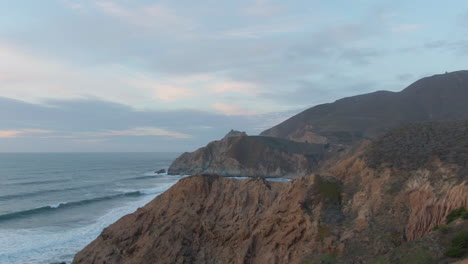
[(126, 75)]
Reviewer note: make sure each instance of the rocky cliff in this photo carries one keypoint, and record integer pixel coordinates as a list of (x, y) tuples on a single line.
[(253, 156), (348, 120), (328, 128), (235, 133), (368, 207)]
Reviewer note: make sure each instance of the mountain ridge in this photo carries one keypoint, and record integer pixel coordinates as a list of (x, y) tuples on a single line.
[(329, 129), (253, 156), (366, 116)]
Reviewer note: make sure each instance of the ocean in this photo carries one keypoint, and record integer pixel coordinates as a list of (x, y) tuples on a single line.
[(54, 204)]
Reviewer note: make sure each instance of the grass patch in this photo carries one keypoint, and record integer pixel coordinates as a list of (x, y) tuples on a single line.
[(328, 259), (455, 252), (461, 240), (442, 228), (457, 213), (380, 260), (459, 246), (322, 232), (329, 190), (418, 256)]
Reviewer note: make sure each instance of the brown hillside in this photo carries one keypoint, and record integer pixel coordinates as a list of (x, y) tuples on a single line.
[(253, 156), (439, 97), (352, 213)]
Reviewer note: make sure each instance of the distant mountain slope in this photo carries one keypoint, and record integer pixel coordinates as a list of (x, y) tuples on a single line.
[(283, 149), (439, 97)]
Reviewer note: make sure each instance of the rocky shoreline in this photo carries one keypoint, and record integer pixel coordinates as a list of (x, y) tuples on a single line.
[(377, 178), (356, 212)]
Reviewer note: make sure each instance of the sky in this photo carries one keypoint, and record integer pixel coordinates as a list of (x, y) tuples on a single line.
[(126, 75)]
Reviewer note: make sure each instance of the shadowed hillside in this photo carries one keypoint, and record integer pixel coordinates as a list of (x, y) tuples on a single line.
[(301, 144), (253, 156), (439, 97), (413, 145)]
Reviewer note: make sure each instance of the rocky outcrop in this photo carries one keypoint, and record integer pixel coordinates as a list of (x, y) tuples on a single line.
[(356, 211), (234, 133), (339, 125), (253, 156), (349, 120), (211, 219)]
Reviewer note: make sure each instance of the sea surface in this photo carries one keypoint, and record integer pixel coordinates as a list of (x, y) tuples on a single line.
[(54, 204)]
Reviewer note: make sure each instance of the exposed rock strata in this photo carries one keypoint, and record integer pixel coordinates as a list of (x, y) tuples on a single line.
[(211, 219), (253, 156), (234, 133), (354, 212)]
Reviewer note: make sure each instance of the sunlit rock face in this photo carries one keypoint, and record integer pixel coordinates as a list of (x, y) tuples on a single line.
[(368, 205)]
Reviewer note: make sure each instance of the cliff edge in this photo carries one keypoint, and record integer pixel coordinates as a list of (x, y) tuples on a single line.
[(368, 207), (253, 156), (299, 145)]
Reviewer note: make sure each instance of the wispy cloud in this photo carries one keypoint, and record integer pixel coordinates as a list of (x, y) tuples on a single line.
[(246, 88), (263, 8), (261, 30), (117, 65), (22, 132), (232, 110), (72, 4), (91, 140), (9, 133), (31, 78), (155, 16), (58, 137), (406, 27), (138, 131), (159, 89)]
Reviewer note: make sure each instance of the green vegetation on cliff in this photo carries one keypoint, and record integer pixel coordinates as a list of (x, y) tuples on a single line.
[(412, 146)]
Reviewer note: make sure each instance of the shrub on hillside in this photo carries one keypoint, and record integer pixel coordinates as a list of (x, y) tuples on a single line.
[(411, 146)]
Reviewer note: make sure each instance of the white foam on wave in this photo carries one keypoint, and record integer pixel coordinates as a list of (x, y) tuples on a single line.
[(157, 190), (55, 206), (54, 244), (153, 173)]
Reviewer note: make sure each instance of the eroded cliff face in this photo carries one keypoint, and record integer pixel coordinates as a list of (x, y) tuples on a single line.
[(253, 156), (353, 213), (382, 198), (211, 219), (388, 207)]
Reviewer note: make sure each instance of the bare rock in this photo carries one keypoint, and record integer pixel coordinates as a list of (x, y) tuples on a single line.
[(253, 156), (211, 219), (235, 133)]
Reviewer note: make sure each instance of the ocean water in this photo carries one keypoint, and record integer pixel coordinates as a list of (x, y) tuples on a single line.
[(54, 204)]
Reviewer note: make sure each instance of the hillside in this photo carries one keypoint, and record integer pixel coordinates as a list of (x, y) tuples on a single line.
[(301, 144), (359, 211), (348, 120), (413, 145), (253, 156)]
